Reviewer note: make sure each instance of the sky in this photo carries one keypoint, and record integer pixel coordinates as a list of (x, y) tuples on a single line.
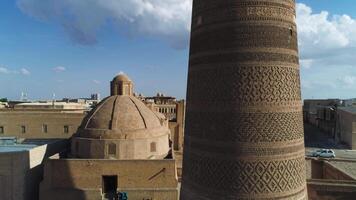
[(74, 48)]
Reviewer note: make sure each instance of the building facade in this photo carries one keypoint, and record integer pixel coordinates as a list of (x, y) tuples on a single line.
[(40, 123), (346, 126)]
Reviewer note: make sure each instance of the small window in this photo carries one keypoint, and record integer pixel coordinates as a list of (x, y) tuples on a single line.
[(23, 129), (153, 147), (44, 128), (2, 130), (112, 149), (66, 129)]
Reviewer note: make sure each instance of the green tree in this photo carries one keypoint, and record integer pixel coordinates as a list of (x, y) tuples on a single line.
[(3, 100)]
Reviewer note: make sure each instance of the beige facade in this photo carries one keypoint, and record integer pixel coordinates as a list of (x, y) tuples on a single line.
[(71, 179), (39, 123), (177, 126), (166, 105), (346, 126)]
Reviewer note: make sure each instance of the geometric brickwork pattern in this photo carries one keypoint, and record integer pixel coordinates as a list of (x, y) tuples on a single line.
[(244, 125), (247, 84), (247, 177)]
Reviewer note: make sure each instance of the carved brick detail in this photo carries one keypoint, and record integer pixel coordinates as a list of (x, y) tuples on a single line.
[(244, 84), (245, 127), (245, 177), (244, 57), (244, 36), (212, 13)]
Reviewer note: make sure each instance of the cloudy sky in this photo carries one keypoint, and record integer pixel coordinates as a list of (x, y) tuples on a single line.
[(73, 48)]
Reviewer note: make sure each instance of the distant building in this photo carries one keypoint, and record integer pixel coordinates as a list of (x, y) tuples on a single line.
[(4, 105), (326, 119), (41, 120), (311, 106), (92, 101), (51, 106), (346, 126), (173, 110), (163, 104)]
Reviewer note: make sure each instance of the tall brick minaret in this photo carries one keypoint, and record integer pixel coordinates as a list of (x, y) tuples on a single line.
[(244, 125)]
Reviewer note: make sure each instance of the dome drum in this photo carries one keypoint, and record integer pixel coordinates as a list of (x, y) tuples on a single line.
[(146, 148), (120, 134)]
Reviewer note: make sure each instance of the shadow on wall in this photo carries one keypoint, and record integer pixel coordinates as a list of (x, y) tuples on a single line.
[(35, 160), (60, 182)]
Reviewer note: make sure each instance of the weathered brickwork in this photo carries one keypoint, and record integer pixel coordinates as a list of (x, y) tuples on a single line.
[(244, 125)]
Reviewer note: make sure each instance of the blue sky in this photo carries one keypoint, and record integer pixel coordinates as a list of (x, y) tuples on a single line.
[(74, 49)]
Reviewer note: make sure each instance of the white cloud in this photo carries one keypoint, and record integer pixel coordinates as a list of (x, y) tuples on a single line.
[(96, 81), (306, 63), (25, 72), (167, 19), (322, 34), (4, 70), (22, 71), (59, 69), (348, 81)]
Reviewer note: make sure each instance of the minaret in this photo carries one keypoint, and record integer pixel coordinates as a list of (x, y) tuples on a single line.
[(244, 125)]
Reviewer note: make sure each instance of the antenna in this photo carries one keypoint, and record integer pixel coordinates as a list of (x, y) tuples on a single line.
[(53, 99)]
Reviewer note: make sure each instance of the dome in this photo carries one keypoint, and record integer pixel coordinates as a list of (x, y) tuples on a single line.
[(121, 117), (121, 77), (121, 127)]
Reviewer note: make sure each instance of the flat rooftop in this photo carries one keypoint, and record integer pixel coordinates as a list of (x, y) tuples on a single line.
[(16, 148), (349, 109), (11, 144), (348, 167)]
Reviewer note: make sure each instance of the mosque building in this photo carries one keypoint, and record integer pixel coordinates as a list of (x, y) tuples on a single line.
[(121, 148)]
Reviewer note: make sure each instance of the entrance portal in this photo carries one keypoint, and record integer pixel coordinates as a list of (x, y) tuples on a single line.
[(109, 185)]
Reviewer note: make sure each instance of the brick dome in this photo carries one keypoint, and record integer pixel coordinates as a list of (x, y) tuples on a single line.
[(122, 117), (122, 127)]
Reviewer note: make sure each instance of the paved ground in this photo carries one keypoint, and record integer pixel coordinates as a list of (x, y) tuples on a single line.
[(316, 139)]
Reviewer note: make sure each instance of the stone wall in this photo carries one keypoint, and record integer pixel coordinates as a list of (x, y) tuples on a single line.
[(34, 121), (346, 128), (82, 179)]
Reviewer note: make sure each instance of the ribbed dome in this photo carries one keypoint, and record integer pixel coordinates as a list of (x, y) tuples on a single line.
[(121, 117)]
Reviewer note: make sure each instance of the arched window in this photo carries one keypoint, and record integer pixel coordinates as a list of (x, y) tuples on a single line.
[(153, 147)]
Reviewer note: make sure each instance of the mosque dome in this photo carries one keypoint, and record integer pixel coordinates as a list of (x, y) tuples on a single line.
[(122, 117), (122, 127)]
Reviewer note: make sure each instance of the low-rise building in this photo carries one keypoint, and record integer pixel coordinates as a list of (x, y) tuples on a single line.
[(41, 120), (21, 166), (310, 108), (346, 126)]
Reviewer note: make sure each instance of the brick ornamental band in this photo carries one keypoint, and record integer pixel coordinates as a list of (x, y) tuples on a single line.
[(244, 126)]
